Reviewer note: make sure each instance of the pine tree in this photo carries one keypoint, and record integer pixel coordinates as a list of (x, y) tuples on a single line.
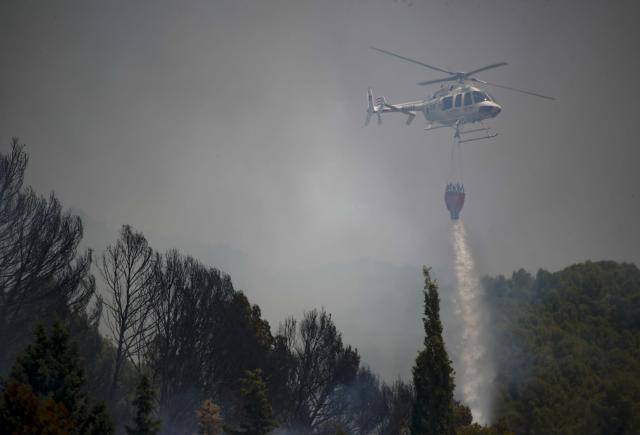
[(51, 367), (432, 374), (143, 422), (209, 420), (258, 412)]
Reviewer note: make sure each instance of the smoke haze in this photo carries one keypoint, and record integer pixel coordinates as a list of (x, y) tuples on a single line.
[(231, 130)]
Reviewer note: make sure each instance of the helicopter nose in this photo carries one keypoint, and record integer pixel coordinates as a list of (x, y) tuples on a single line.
[(490, 109)]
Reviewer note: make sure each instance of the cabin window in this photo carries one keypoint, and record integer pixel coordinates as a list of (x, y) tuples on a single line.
[(446, 103), (467, 99), (479, 97), (458, 100)]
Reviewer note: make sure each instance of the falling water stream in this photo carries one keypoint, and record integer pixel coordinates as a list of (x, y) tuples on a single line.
[(476, 373)]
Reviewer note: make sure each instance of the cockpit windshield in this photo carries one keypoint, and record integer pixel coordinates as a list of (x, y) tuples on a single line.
[(447, 102), (479, 97)]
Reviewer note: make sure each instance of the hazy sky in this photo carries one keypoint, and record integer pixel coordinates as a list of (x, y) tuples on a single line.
[(232, 131)]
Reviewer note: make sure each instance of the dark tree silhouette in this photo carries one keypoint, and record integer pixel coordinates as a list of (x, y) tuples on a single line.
[(144, 403), (127, 271), (399, 399), (365, 403), (322, 364), (40, 269), (206, 335)]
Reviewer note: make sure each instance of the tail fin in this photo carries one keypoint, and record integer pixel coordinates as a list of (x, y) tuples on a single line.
[(370, 107)]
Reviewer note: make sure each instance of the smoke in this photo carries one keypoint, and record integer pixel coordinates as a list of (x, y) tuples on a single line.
[(475, 371)]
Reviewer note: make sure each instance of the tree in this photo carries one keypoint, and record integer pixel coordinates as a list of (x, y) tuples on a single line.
[(399, 399), (127, 270), (40, 269), (206, 335), (258, 413), (476, 429), (363, 407), (51, 368), (209, 420), (432, 374), (321, 365), (21, 411), (566, 349), (144, 403), (461, 415)]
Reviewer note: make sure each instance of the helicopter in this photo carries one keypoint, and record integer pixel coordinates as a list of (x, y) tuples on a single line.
[(450, 106)]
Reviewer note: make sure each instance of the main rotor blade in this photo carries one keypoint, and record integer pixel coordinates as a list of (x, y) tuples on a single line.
[(429, 82), (484, 68), (546, 97), (435, 68)]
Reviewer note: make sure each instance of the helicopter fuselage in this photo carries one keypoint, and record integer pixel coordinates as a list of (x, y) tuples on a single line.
[(452, 105)]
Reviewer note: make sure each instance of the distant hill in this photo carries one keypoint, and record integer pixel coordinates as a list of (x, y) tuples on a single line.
[(568, 349)]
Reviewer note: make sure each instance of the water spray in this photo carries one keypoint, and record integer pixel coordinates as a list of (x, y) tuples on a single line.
[(474, 372), (475, 376)]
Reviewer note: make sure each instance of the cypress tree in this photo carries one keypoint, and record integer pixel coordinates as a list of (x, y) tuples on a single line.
[(143, 422), (432, 374)]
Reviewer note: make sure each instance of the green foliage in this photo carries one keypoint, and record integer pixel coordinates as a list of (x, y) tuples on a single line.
[(145, 405), (258, 413), (568, 349), (432, 374), (464, 425), (461, 415), (476, 429), (209, 420), (51, 367), (341, 431)]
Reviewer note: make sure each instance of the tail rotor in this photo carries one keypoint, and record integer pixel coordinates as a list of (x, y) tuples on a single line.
[(380, 104), (374, 108)]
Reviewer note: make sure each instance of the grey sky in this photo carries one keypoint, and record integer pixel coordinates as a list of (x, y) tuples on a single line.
[(231, 130)]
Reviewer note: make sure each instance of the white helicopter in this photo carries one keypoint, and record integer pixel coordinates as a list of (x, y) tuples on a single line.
[(451, 106)]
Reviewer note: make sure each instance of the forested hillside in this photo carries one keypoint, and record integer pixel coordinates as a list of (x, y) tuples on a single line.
[(145, 341), (568, 349), (94, 342)]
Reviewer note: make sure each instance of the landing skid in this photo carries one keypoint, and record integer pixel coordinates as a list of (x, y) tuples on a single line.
[(486, 133), (459, 133)]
